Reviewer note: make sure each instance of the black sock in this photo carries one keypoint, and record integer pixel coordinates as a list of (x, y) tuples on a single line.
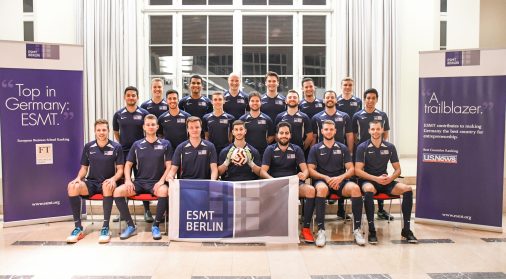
[(146, 205), (380, 205), (308, 211), (340, 206), (107, 204), (356, 208), (75, 204), (407, 205), (320, 212), (123, 210), (160, 210), (369, 210)]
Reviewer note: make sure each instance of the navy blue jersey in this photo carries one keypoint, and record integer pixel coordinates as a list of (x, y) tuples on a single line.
[(258, 129), (361, 120), (194, 162), (301, 125), (350, 106), (273, 106), (196, 107), (154, 108), (342, 121), (312, 108), (329, 161), (219, 128), (174, 127), (101, 162), (238, 105), (129, 126), (239, 173), (150, 158), (376, 159), (283, 163)]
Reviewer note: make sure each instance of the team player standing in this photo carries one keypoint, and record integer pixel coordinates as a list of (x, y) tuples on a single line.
[(198, 138)]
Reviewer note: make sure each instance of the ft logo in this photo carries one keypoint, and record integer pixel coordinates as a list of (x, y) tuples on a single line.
[(44, 154)]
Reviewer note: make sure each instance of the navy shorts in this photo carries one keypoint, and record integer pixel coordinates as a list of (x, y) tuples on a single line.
[(339, 191), (94, 187), (144, 187), (385, 189)]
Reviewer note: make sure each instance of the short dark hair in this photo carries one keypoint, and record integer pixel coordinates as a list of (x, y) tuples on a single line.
[(376, 122), (283, 124), (330, 91), (254, 94), (307, 79), (132, 88), (292, 91), (371, 90), (196, 77), (172, 91), (271, 74)]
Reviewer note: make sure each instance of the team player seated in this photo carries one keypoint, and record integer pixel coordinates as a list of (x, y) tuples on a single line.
[(285, 159), (371, 164), (330, 167), (153, 158), (239, 161), (194, 158), (102, 165)]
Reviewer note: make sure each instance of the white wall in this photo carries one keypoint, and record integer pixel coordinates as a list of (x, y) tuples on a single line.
[(463, 27), (55, 21), (11, 20), (492, 20), (418, 30)]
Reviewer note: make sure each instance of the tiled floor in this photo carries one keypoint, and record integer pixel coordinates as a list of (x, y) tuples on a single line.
[(39, 251)]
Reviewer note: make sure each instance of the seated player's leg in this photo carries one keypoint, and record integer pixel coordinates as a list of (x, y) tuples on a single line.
[(75, 190), (352, 190), (382, 213), (407, 204), (308, 192), (322, 190), (162, 192), (120, 195), (107, 190), (369, 191)]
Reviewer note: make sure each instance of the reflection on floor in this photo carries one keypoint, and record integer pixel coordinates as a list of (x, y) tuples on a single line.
[(39, 251)]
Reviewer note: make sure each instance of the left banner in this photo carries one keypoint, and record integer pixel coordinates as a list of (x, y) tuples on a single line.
[(41, 110)]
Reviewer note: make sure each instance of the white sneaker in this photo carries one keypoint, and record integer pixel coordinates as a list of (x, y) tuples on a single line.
[(105, 235), (359, 237), (320, 238)]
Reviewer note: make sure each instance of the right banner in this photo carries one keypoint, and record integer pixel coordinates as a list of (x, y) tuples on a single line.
[(460, 160)]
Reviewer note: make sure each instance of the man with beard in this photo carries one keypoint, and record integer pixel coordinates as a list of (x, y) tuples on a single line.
[(236, 101), (173, 122), (259, 125), (217, 125), (102, 164), (272, 102), (127, 126), (247, 170), (360, 124), (371, 164), (285, 159), (153, 158), (330, 167), (302, 132), (310, 105)]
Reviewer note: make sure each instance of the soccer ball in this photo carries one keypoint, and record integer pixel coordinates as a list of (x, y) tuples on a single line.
[(239, 156)]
